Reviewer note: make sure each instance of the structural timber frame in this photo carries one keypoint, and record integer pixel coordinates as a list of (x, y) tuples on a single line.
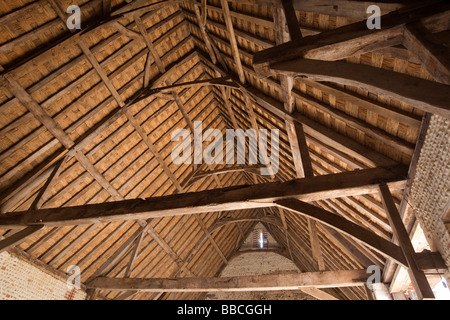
[(326, 203)]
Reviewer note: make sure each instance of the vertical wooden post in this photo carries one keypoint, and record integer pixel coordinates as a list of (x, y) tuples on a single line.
[(420, 282)]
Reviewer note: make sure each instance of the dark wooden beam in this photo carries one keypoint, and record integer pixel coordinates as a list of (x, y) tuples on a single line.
[(19, 237), (220, 82), (346, 41), (226, 221), (340, 8), (201, 20), (425, 95), (225, 199), (329, 279), (417, 276), (312, 128), (351, 229), (233, 42), (433, 56), (291, 19)]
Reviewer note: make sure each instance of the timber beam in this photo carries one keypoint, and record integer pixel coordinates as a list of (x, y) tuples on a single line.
[(351, 229), (293, 281), (426, 95), (315, 57), (224, 199), (340, 8), (349, 40)]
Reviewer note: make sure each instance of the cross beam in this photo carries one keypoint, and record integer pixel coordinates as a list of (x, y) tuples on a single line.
[(289, 281), (224, 199)]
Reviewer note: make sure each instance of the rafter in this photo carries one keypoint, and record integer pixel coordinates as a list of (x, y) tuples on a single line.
[(341, 8), (313, 128), (115, 153), (226, 221), (432, 56), (383, 109), (239, 168), (346, 41), (201, 20), (25, 185), (425, 95), (18, 237), (375, 242), (421, 285), (233, 42)]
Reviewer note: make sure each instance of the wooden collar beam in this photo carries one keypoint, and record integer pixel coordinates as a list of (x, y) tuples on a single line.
[(292, 281), (315, 57)]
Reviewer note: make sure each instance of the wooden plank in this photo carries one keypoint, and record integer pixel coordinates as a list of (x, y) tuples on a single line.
[(134, 255), (300, 152), (351, 229), (291, 19), (428, 96), (346, 41), (127, 32), (433, 57), (106, 8), (338, 8), (149, 43), (314, 129), (141, 6), (233, 42), (224, 199), (40, 198), (239, 168), (98, 176), (19, 237), (318, 294), (340, 44), (420, 282), (243, 283), (393, 113), (39, 113), (227, 221), (219, 82)]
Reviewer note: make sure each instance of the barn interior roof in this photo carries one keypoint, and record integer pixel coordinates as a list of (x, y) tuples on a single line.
[(87, 116)]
